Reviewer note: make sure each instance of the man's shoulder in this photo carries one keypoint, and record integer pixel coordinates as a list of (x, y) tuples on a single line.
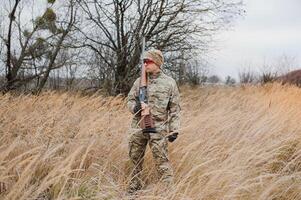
[(137, 81), (168, 79)]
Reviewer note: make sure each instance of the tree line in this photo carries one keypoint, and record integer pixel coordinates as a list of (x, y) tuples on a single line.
[(97, 44)]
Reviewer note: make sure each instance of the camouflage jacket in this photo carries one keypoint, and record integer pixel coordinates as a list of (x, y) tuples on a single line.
[(163, 99)]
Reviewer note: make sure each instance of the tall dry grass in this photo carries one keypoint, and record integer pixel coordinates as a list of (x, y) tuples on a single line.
[(235, 143)]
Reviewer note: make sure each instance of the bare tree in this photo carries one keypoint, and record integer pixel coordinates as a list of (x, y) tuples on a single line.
[(100, 73), (267, 73), (172, 26), (213, 79), (12, 17), (2, 66), (38, 47), (230, 80), (196, 71), (2, 46), (285, 63), (58, 45), (246, 75), (71, 70), (278, 68), (110, 32)]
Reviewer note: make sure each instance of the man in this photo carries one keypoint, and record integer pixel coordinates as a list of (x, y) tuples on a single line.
[(163, 101)]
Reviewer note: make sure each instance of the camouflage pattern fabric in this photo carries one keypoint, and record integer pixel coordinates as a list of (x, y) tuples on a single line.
[(163, 99)]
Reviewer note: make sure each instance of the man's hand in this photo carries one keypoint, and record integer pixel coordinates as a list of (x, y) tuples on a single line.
[(172, 137), (137, 107), (145, 109), (141, 108)]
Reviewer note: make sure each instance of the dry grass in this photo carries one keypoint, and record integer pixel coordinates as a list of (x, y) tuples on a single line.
[(236, 143)]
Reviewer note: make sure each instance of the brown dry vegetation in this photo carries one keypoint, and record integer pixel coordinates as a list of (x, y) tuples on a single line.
[(236, 143), (293, 77)]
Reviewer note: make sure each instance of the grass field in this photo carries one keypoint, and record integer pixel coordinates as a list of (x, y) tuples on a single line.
[(235, 143)]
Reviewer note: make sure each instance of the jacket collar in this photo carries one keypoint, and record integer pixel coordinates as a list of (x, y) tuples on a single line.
[(154, 76)]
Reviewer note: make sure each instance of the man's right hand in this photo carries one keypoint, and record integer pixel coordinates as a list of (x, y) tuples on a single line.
[(137, 108), (140, 108)]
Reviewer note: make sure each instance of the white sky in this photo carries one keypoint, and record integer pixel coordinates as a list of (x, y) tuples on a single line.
[(270, 29)]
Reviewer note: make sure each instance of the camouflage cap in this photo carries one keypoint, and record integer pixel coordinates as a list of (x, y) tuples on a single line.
[(154, 55)]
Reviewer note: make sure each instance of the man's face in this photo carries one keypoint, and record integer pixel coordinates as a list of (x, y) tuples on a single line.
[(150, 66)]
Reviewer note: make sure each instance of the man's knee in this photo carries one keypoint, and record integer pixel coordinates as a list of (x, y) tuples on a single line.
[(136, 153), (159, 149), (137, 145)]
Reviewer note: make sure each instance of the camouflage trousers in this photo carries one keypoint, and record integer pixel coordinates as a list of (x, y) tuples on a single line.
[(158, 144)]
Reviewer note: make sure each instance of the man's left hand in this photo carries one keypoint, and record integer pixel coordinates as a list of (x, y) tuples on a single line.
[(172, 137)]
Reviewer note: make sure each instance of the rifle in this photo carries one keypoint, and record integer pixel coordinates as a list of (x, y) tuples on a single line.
[(146, 122)]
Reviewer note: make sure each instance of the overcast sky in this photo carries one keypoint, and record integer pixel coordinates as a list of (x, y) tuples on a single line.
[(270, 29)]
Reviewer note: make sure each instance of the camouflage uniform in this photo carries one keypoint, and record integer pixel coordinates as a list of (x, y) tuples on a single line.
[(163, 99)]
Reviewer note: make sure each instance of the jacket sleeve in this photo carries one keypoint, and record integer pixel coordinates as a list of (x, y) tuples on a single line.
[(132, 95), (174, 109)]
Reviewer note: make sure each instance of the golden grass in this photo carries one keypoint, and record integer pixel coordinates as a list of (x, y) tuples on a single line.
[(235, 143)]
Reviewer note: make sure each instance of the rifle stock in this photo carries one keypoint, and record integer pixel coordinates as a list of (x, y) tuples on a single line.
[(146, 122)]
